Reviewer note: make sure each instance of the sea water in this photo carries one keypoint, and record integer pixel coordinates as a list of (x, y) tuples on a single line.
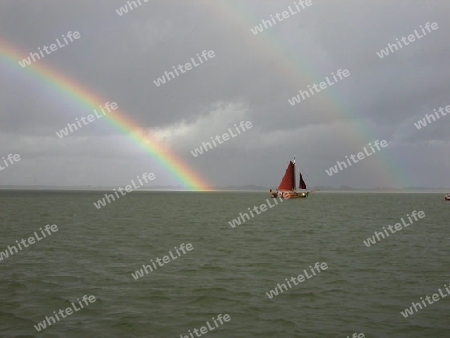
[(228, 271)]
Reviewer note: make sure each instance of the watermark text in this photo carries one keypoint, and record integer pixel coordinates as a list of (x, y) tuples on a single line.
[(166, 259), (69, 37), (64, 313), (415, 307), (317, 88), (398, 226), (225, 137), (405, 41), (300, 278), (226, 318), (167, 76), (49, 229), (360, 156), (71, 127), (129, 5), (428, 118), (265, 24), (10, 160), (262, 207), (110, 197)]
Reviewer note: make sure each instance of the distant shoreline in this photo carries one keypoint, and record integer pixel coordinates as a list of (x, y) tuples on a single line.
[(236, 189)]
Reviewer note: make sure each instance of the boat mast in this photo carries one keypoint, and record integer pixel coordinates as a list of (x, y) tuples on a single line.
[(295, 186)]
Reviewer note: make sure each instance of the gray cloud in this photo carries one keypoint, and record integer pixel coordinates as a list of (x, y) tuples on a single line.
[(250, 78)]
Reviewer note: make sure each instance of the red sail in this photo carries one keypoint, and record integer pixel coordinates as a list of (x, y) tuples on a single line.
[(302, 184), (288, 181)]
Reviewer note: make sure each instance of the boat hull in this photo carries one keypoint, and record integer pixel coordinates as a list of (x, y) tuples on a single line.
[(290, 195), (447, 198)]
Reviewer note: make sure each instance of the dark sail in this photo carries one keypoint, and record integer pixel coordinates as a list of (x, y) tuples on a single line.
[(302, 184), (288, 181)]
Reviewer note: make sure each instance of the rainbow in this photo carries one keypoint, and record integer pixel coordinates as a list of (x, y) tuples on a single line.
[(87, 99), (292, 67)]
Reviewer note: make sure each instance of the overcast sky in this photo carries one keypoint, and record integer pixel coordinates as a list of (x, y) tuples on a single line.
[(250, 78)]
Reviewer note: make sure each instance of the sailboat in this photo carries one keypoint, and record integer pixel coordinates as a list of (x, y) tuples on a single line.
[(287, 189)]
